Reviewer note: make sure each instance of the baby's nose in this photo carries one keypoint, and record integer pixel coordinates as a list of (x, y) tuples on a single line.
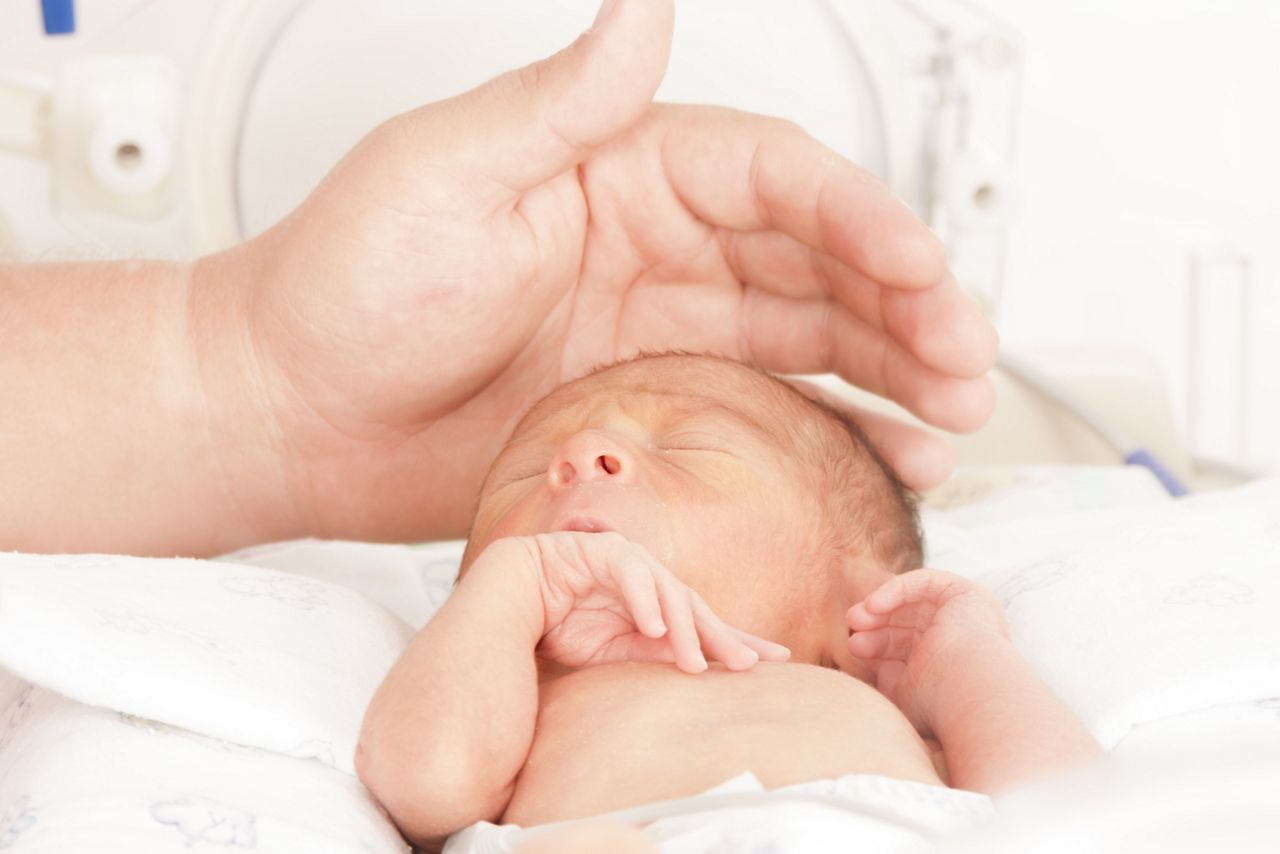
[(590, 456)]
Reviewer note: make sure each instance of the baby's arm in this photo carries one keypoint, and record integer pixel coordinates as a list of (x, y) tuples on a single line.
[(999, 724), (939, 647), (450, 728)]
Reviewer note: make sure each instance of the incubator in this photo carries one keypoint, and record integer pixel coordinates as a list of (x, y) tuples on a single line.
[(163, 705)]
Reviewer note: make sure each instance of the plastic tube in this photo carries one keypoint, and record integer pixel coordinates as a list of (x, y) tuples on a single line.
[(1131, 452)]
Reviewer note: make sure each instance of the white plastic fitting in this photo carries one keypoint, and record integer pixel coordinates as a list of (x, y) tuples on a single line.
[(113, 132), (979, 193)]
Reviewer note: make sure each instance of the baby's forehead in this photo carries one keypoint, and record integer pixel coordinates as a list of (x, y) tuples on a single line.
[(677, 385)]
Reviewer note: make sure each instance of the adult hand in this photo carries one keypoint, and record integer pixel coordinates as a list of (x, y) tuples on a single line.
[(468, 256)]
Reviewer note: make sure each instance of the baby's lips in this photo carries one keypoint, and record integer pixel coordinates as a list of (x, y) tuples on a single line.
[(583, 523)]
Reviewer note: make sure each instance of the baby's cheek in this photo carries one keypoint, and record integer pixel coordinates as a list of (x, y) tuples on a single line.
[(510, 513), (485, 529), (509, 525)]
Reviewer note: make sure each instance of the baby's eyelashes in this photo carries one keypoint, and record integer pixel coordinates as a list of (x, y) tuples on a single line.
[(693, 440)]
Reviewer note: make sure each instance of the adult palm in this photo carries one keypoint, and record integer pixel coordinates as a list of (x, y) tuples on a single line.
[(468, 256)]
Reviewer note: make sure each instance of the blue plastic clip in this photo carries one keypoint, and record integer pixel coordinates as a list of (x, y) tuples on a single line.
[(59, 16)]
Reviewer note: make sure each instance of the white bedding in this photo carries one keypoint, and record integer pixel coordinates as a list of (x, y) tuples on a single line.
[(1139, 612), (82, 778), (162, 706)]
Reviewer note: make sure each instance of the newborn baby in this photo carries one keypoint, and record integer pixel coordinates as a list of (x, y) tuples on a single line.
[(641, 535)]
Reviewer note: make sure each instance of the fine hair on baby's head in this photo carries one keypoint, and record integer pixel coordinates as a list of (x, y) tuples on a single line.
[(870, 513)]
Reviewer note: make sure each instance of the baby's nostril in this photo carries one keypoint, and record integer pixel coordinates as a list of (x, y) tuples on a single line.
[(609, 464), (565, 472)]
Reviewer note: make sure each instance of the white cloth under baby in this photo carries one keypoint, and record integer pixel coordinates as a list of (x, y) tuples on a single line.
[(76, 779), (155, 706), (251, 656), (863, 812)]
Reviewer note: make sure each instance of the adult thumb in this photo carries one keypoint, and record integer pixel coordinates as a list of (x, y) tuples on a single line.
[(529, 125)]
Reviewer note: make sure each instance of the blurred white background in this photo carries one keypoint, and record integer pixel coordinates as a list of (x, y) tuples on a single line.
[(1149, 130)]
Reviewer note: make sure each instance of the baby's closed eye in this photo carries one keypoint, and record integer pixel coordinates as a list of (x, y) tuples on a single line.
[(524, 472), (694, 440)]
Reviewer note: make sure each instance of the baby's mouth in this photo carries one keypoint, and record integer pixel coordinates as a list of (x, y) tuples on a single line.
[(584, 523), (600, 508)]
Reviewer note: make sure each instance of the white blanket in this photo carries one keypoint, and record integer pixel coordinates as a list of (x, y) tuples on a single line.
[(251, 656), (165, 705), (157, 705), (78, 778), (1137, 613)]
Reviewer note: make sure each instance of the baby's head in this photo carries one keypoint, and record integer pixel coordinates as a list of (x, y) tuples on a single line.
[(773, 507)]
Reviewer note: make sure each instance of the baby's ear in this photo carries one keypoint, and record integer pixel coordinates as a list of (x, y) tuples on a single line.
[(862, 576)]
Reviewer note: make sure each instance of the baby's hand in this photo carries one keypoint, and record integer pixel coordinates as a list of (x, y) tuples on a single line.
[(916, 626), (606, 599)]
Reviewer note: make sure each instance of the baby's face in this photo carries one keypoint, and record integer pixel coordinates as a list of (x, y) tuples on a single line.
[(677, 454)]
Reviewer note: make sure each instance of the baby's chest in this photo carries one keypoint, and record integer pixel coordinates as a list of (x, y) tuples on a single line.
[(616, 739)]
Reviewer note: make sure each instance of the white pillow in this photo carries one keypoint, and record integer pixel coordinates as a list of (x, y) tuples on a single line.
[(1135, 614), (411, 582), (253, 656)]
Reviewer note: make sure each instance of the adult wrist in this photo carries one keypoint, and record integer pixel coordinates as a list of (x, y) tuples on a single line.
[(241, 394)]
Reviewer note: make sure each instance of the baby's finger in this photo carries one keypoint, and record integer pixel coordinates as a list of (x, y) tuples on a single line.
[(677, 613), (915, 586), (722, 646), (636, 647), (887, 643), (888, 674), (767, 650), (860, 619), (719, 640), (640, 592)]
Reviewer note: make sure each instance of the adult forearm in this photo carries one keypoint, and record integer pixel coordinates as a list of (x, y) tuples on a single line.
[(127, 421), (999, 724)]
